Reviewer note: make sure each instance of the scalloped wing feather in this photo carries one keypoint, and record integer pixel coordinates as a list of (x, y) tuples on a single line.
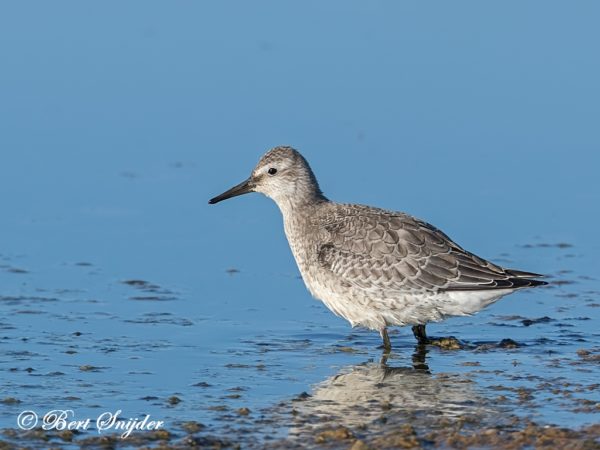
[(378, 249)]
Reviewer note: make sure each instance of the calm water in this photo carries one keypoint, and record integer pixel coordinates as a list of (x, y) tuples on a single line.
[(121, 288)]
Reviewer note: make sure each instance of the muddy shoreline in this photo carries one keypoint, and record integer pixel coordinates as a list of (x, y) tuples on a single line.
[(376, 405)]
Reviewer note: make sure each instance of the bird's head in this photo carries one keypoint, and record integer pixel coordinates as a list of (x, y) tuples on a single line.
[(283, 175)]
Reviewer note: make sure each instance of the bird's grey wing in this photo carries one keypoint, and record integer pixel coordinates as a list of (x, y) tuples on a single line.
[(377, 249)]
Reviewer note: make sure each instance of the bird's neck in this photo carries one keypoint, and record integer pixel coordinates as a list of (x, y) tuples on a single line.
[(298, 219), (294, 207)]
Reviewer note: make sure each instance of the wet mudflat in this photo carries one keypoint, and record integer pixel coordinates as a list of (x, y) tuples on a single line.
[(524, 372)]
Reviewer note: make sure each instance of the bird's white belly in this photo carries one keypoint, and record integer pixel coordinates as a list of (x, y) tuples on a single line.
[(376, 310), (346, 305)]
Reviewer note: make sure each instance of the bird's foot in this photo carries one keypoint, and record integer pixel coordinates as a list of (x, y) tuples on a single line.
[(420, 334), (446, 343)]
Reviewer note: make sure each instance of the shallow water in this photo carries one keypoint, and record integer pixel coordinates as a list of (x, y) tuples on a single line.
[(182, 339), (121, 289)]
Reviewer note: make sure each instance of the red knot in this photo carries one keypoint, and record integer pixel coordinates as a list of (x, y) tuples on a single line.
[(375, 268)]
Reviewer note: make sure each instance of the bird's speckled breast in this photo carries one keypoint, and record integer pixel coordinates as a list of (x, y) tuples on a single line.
[(300, 232), (305, 238)]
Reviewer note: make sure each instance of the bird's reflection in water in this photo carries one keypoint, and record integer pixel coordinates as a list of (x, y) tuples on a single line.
[(372, 395)]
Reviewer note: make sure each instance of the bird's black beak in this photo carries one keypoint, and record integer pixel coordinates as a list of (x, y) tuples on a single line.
[(243, 188)]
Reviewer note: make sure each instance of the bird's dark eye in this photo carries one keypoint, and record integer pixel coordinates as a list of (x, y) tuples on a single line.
[(272, 171)]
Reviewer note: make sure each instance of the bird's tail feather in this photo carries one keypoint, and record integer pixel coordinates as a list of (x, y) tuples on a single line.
[(522, 274)]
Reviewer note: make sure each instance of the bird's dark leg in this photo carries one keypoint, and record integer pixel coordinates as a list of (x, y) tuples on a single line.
[(387, 345), (420, 334)]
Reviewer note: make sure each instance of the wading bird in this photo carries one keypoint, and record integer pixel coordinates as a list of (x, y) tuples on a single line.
[(373, 267)]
